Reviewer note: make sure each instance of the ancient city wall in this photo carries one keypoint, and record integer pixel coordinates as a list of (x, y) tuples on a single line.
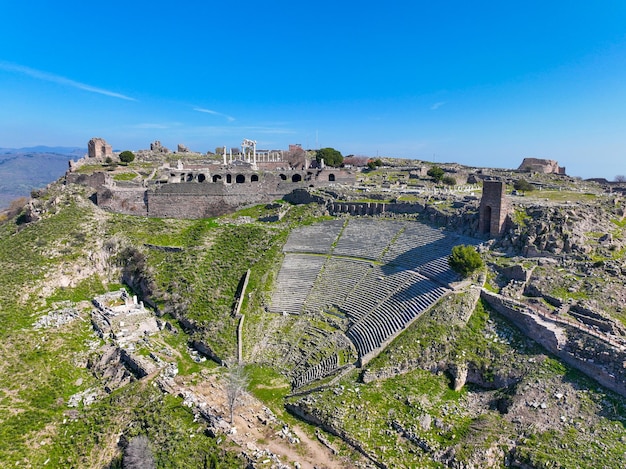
[(127, 200), (211, 200), (95, 180), (596, 358)]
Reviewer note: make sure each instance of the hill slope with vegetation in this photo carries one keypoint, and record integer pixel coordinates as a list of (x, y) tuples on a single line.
[(460, 387)]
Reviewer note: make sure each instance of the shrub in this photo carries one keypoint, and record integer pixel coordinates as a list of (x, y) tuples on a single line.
[(127, 156), (449, 181), (373, 164), (465, 259), (523, 185), (436, 173)]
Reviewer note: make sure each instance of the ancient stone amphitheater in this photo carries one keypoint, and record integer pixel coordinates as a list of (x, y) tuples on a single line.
[(376, 276)]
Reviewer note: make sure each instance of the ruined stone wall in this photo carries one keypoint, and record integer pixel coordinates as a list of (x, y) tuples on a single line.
[(198, 193), (595, 357), (95, 180), (541, 166), (127, 200), (271, 165), (374, 208), (99, 148), (212, 200), (530, 324)]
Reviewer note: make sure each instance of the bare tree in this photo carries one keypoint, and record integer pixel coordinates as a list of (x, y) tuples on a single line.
[(138, 454), (236, 385), (296, 156), (620, 178)]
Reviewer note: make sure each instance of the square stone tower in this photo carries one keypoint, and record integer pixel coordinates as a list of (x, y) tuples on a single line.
[(99, 148), (494, 208)]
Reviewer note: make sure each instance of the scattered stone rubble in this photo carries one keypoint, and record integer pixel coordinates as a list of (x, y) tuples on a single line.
[(58, 317)]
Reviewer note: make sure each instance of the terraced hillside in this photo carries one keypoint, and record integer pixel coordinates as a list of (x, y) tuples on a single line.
[(375, 275)]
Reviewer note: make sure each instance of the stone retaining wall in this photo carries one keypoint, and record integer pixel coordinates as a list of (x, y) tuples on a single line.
[(561, 340)]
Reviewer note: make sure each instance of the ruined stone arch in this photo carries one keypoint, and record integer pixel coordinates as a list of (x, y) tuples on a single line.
[(201, 177), (189, 177), (296, 178), (229, 179), (283, 177), (217, 177), (254, 178), (240, 179), (331, 177)]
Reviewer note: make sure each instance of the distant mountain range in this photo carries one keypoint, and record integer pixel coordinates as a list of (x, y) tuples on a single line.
[(24, 169)]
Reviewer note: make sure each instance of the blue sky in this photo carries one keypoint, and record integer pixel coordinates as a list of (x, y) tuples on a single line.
[(479, 83)]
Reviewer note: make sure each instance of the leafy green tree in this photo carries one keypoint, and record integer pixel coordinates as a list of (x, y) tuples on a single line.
[(523, 185), (373, 164), (436, 173), (330, 156), (464, 259), (449, 181), (127, 156)]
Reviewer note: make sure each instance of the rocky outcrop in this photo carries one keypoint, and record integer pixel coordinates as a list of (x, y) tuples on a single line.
[(553, 230)]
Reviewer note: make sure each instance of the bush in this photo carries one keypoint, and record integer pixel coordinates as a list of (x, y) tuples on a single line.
[(465, 259), (523, 185), (449, 181), (436, 173), (373, 164), (127, 156)]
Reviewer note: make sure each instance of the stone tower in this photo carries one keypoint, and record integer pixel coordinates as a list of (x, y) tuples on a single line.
[(98, 148), (494, 208)]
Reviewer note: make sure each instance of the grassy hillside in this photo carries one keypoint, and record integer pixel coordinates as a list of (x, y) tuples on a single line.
[(519, 405)]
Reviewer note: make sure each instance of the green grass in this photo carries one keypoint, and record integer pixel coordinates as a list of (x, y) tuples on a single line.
[(138, 410), (520, 217), (565, 294), (124, 176), (562, 196), (268, 385)]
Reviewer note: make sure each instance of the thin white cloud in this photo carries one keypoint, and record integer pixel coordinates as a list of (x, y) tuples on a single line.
[(214, 113), (437, 105), (11, 67)]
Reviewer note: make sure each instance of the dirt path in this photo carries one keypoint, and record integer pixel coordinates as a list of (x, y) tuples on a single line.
[(259, 433)]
